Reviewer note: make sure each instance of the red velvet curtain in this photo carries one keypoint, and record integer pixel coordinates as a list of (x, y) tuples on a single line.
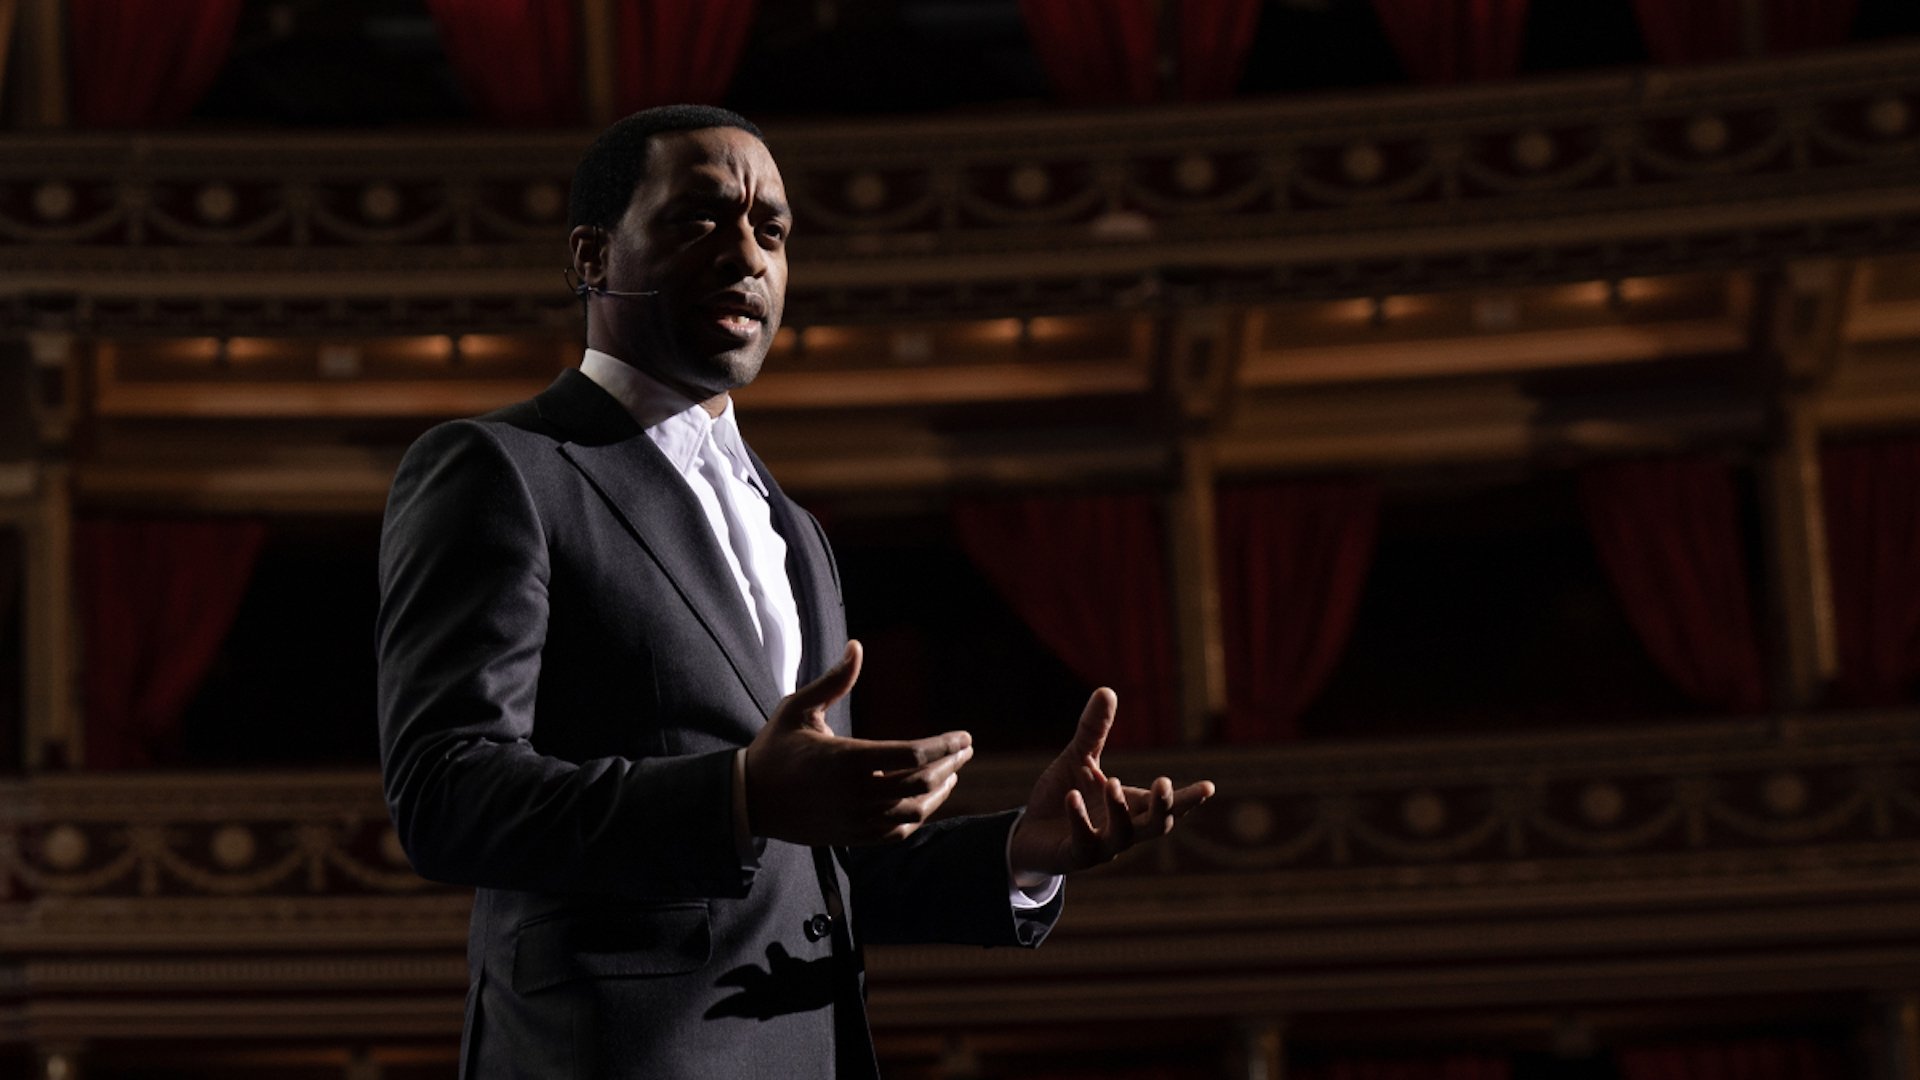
[(1098, 52), (1800, 25), (1873, 545), (1449, 1068), (1698, 31), (1293, 558), (1753, 1059), (517, 59), (1668, 534), (1451, 41), (674, 51), (156, 601), (1215, 36), (145, 63), (1107, 52), (1089, 574)]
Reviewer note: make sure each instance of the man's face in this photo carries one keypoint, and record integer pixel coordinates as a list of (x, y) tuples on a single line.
[(706, 231)]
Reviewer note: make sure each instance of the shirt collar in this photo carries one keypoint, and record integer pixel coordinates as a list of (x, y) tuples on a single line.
[(678, 426)]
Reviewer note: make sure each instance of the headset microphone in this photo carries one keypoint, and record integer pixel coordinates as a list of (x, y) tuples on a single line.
[(584, 290)]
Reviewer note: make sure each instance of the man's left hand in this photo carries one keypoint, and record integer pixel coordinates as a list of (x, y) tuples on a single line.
[(1077, 816)]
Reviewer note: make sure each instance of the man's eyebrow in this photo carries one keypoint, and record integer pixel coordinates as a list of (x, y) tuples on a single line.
[(775, 205), (729, 194)]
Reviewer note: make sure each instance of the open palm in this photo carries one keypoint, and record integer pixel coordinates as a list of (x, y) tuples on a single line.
[(1078, 816)]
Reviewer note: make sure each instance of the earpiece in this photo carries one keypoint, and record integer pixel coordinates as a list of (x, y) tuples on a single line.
[(583, 290)]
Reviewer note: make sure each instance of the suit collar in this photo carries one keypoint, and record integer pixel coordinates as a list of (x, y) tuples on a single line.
[(583, 412), (656, 507), (680, 427)]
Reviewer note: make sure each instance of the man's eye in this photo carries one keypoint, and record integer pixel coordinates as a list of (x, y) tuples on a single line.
[(773, 231)]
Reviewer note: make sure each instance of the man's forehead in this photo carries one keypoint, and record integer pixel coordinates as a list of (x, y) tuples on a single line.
[(725, 147)]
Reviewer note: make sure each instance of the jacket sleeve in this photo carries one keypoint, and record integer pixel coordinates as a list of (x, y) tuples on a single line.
[(464, 576), (945, 884)]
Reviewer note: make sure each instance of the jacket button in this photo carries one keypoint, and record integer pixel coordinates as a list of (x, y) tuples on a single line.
[(818, 927)]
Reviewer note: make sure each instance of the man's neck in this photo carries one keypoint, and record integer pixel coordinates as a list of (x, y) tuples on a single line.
[(714, 405)]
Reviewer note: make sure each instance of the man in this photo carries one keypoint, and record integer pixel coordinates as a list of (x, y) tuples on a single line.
[(613, 680)]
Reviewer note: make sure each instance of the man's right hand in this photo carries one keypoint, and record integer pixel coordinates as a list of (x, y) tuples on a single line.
[(809, 786)]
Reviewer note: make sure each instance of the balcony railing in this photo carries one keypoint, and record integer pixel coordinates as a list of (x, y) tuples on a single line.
[(1625, 174), (1732, 858)]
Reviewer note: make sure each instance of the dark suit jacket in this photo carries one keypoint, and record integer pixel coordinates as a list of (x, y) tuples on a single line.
[(566, 668)]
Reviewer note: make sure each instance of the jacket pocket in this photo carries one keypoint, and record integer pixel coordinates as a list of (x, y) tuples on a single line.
[(670, 939)]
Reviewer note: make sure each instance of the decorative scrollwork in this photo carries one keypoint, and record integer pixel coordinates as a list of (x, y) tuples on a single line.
[(342, 852)]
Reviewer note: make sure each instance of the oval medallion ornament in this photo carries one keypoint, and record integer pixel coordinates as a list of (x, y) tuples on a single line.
[(1029, 183), (216, 204), (53, 201), (1363, 163), (232, 846), (380, 202)]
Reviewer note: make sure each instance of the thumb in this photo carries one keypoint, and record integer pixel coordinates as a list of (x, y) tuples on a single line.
[(1095, 721), (822, 692)]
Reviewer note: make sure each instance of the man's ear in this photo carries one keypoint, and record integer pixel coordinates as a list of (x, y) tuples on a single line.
[(589, 245)]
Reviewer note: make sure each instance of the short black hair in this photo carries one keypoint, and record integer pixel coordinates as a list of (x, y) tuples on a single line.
[(604, 180)]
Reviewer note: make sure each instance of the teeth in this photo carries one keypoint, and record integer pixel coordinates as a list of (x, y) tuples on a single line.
[(735, 322)]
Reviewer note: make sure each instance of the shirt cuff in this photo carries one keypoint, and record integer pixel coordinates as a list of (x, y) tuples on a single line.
[(742, 829), (1028, 899)]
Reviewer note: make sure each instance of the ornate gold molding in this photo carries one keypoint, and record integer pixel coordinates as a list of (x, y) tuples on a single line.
[(1585, 178), (1724, 858)]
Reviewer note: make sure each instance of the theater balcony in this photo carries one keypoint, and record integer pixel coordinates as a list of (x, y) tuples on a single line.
[(1606, 385)]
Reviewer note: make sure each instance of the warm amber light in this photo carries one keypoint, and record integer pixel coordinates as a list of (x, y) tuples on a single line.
[(201, 350), (1357, 309), (1043, 328), (1584, 293), (825, 338), (243, 350), (997, 331)]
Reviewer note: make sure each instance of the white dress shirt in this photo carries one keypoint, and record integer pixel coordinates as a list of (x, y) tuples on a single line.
[(710, 456)]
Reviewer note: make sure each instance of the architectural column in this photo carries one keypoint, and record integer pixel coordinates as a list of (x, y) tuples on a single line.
[(1263, 1049), (1198, 353), (60, 1062), (1798, 323), (41, 500), (598, 41), (41, 52), (1897, 1057), (1196, 593)]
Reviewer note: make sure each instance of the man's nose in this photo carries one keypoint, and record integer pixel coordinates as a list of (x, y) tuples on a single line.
[(742, 253)]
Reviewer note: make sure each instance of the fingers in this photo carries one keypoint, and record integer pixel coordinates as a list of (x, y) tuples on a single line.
[(867, 756), (921, 781), (1088, 848), (1191, 796), (897, 819), (1158, 819), (820, 694), (1095, 721), (1119, 831), (915, 812), (1094, 843)]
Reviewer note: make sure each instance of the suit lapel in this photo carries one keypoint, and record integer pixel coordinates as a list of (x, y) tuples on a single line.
[(656, 507), (810, 574)]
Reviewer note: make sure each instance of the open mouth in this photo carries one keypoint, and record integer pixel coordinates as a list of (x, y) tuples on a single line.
[(737, 316)]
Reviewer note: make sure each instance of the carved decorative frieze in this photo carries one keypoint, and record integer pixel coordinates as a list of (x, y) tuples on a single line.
[(1712, 859), (1599, 177), (1460, 817)]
